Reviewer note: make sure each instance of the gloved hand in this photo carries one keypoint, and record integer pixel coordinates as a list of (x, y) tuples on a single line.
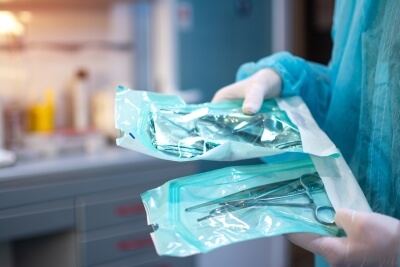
[(265, 83), (372, 240)]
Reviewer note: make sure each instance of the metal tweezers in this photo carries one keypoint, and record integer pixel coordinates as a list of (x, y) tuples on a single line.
[(269, 194)]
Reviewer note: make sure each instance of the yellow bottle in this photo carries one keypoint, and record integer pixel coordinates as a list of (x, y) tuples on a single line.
[(41, 115)]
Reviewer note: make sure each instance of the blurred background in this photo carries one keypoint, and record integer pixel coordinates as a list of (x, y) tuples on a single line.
[(68, 196)]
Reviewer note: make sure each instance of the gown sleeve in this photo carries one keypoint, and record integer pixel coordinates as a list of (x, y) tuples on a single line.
[(307, 79)]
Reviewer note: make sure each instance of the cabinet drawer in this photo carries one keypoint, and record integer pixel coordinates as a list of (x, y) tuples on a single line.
[(36, 219), (156, 262), (115, 208), (122, 205), (118, 246)]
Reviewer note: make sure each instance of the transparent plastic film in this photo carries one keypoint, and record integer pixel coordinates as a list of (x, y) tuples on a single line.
[(164, 126), (188, 133), (301, 192), (205, 211)]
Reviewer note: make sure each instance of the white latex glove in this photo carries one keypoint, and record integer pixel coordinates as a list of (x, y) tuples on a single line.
[(372, 240), (265, 83)]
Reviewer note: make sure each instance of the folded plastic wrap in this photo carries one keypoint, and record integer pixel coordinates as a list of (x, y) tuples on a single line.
[(199, 213), (164, 126)]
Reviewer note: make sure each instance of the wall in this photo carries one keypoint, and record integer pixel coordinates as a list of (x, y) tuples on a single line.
[(216, 37)]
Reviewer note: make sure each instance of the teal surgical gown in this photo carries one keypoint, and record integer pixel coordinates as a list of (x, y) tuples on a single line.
[(355, 98)]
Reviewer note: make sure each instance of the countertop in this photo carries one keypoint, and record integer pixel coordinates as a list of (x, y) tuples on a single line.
[(110, 156)]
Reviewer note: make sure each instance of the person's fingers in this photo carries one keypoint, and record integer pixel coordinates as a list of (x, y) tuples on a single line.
[(265, 83), (372, 240), (355, 223), (333, 249), (230, 92), (303, 240), (271, 81), (344, 217), (253, 99)]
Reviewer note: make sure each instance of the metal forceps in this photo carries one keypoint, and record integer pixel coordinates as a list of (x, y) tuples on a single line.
[(197, 132), (260, 129), (305, 185)]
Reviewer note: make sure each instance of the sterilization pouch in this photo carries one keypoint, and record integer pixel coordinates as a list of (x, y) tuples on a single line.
[(201, 212), (164, 126)]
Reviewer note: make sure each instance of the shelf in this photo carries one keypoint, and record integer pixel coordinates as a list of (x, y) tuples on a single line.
[(58, 4), (71, 46)]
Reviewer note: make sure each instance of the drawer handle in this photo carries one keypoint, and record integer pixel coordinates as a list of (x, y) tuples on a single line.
[(125, 245), (129, 210)]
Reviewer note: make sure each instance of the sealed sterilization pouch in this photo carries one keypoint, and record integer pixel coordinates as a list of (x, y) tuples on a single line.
[(199, 213), (164, 126)]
